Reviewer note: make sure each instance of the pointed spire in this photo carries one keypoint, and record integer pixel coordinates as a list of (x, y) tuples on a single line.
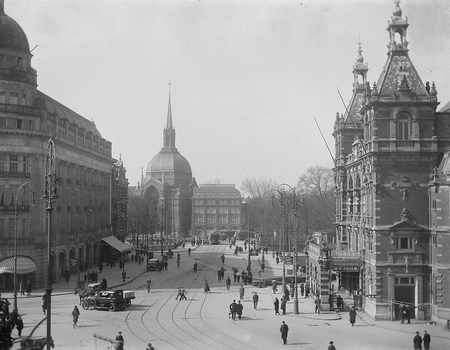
[(169, 112), (360, 57), (169, 131)]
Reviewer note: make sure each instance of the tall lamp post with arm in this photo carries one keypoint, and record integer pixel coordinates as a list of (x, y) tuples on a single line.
[(50, 195), (20, 190)]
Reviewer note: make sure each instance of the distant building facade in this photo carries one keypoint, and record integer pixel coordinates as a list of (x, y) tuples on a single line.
[(168, 181), (83, 213), (216, 208)]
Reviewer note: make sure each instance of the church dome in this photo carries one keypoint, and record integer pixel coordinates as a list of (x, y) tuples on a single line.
[(12, 36), (170, 161)]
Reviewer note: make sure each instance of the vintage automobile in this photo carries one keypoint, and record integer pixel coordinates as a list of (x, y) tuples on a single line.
[(152, 264), (111, 300)]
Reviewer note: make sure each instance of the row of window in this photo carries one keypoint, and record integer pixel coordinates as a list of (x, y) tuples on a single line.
[(220, 219), (221, 210), (220, 202), (8, 228), (13, 98), (14, 163)]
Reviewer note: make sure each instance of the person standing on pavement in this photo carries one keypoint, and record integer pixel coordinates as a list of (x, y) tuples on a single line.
[(124, 275), (284, 329), (149, 283), (241, 292), (19, 325), (233, 310), (283, 305), (352, 317), (331, 346), (317, 304), (274, 286), (417, 341), (286, 293), (426, 340), (276, 306), (291, 285), (255, 300), (75, 316), (228, 283), (189, 251), (240, 307), (119, 338), (195, 266)]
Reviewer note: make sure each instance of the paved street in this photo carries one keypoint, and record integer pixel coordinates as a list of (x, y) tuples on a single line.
[(202, 321)]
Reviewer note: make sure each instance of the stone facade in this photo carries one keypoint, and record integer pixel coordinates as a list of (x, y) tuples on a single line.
[(82, 214)]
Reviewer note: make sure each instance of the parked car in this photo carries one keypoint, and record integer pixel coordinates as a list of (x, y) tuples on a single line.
[(111, 300)]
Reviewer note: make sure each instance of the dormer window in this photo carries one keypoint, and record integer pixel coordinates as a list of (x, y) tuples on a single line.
[(403, 127)]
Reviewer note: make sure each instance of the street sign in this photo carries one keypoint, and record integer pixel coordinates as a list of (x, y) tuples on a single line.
[(73, 262)]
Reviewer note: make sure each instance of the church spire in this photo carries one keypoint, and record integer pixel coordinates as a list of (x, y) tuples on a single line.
[(397, 31), (169, 131)]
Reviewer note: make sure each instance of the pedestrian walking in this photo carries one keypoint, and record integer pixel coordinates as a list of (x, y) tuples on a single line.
[(286, 293), (206, 288), (331, 346), (228, 283), (75, 316), (339, 302), (241, 292), (417, 341), (317, 304), (283, 306), (21, 288), (5, 308), (302, 289), (124, 275), (189, 251), (255, 300), (274, 286), (240, 307), (284, 329), (233, 310), (120, 340), (179, 293), (19, 325), (223, 259), (183, 294), (276, 306), (426, 340), (44, 303), (352, 316), (195, 266), (149, 283)]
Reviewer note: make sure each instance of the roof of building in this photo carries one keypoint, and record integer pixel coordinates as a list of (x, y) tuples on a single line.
[(216, 189), (12, 36), (64, 112), (169, 161)]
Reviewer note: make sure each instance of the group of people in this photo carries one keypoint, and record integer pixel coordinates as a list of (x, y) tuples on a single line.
[(236, 309), (418, 340), (181, 293), (9, 321)]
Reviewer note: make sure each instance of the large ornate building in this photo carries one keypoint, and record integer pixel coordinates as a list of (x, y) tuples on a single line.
[(88, 179), (169, 183), (391, 220)]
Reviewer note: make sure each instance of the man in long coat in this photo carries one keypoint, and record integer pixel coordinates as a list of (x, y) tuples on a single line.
[(284, 329), (233, 310), (240, 307)]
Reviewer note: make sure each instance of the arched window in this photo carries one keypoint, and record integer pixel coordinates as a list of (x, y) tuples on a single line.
[(403, 127)]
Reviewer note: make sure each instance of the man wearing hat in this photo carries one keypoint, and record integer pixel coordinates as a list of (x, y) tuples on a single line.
[(120, 341), (426, 340), (331, 346), (417, 341)]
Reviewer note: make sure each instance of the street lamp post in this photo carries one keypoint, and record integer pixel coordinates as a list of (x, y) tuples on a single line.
[(285, 203), (15, 235), (249, 266), (50, 195)]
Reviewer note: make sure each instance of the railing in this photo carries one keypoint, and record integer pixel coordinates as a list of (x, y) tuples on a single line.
[(409, 144), (24, 175), (403, 257), (11, 208)]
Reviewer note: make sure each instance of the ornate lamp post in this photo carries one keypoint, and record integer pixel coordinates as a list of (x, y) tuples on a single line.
[(50, 195), (20, 190)]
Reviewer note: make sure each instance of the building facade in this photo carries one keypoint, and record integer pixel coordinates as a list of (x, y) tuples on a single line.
[(168, 181), (216, 208), (386, 146), (82, 215)]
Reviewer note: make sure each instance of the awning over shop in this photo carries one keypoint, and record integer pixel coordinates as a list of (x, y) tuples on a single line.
[(24, 265), (116, 244)]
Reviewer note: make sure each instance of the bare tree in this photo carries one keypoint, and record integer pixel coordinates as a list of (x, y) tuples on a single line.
[(316, 187)]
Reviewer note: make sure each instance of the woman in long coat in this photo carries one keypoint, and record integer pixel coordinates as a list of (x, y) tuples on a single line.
[(352, 315), (276, 306)]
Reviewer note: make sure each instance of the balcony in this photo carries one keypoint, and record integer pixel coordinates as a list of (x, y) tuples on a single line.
[(400, 257), (11, 208), (10, 174)]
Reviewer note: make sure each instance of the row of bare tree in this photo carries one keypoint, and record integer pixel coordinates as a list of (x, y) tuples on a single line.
[(309, 207)]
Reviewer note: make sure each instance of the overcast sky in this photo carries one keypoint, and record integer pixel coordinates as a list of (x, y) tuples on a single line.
[(247, 77)]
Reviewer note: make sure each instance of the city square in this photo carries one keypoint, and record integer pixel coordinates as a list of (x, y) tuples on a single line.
[(224, 174)]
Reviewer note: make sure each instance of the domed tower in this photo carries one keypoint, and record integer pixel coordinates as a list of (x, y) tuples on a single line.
[(168, 179)]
